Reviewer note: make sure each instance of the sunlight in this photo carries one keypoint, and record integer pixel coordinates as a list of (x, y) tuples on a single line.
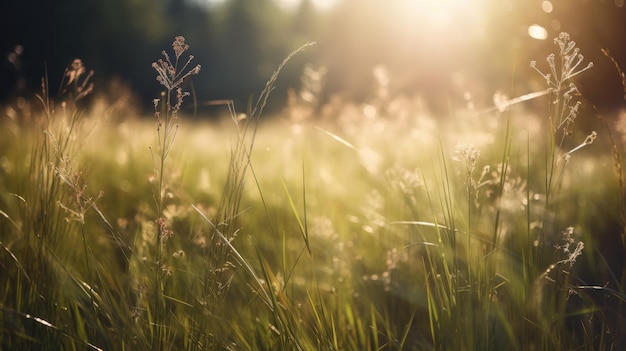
[(439, 20), (440, 13), (436, 29)]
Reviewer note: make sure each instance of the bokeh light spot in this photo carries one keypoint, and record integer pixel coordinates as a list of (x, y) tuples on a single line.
[(547, 6), (536, 31)]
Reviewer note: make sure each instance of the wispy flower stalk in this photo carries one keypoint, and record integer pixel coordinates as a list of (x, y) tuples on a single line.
[(564, 107), (166, 109), (166, 112)]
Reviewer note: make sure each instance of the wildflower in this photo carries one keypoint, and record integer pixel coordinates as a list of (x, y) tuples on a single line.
[(76, 70), (567, 242), (559, 83), (164, 230), (168, 73), (468, 155), (570, 58), (166, 270), (78, 83), (179, 46), (588, 141)]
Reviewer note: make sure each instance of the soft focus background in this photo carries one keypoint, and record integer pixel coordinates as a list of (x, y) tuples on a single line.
[(437, 49)]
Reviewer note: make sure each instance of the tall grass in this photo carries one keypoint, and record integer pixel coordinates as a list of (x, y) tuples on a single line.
[(383, 229)]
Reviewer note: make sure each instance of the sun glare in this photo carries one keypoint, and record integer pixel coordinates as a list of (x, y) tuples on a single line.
[(442, 12), (443, 16)]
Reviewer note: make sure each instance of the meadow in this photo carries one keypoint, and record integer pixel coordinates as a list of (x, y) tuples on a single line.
[(345, 226)]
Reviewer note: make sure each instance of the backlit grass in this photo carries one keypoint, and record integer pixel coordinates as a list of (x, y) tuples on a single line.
[(380, 228)]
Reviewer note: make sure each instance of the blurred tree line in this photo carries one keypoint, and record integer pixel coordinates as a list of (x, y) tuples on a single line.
[(237, 42), (240, 42)]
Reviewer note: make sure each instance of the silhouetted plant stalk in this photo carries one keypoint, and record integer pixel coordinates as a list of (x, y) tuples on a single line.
[(171, 74)]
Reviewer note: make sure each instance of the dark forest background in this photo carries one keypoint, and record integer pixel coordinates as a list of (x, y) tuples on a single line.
[(240, 42)]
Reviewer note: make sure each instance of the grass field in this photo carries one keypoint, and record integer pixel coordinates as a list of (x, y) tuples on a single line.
[(377, 227)]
